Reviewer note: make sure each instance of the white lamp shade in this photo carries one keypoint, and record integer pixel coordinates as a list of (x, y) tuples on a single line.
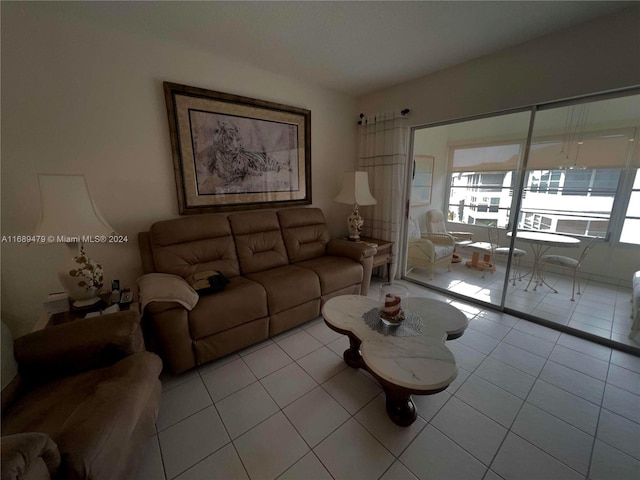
[(355, 189), (68, 209)]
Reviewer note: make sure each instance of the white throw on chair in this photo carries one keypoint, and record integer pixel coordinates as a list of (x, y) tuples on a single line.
[(428, 250), (435, 224), (569, 263)]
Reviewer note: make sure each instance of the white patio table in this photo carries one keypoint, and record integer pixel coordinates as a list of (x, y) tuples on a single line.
[(541, 242)]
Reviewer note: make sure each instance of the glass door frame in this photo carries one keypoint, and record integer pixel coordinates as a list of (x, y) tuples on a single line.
[(516, 200), (515, 205)]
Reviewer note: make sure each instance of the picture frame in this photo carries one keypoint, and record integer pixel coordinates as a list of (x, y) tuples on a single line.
[(422, 179), (237, 153)]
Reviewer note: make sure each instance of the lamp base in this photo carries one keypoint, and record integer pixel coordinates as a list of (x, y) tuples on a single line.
[(354, 224)]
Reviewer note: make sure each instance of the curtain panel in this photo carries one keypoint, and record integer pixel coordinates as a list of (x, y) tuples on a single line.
[(383, 155)]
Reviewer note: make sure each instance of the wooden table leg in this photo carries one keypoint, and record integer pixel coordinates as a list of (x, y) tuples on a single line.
[(400, 407), (352, 354)]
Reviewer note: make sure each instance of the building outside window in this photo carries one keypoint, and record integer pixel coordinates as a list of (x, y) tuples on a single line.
[(631, 226), (566, 190)]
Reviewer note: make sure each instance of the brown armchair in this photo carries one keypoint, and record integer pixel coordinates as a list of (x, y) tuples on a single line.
[(90, 391)]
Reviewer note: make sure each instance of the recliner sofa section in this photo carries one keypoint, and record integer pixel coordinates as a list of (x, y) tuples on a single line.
[(282, 266)]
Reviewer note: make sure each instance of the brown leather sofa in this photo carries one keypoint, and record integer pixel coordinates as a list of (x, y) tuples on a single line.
[(84, 402), (282, 267)]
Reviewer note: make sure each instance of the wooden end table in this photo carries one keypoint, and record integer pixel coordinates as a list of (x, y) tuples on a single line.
[(384, 254), (47, 320), (404, 365)]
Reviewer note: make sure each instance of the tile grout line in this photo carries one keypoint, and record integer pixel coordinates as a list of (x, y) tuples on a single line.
[(518, 414), (281, 410), (547, 360), (223, 425), (164, 470), (537, 378), (595, 435)]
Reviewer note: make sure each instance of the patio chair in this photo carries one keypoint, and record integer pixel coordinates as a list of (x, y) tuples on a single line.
[(428, 250), (435, 224), (568, 263)]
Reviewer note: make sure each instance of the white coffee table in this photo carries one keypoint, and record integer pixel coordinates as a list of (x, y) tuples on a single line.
[(404, 365)]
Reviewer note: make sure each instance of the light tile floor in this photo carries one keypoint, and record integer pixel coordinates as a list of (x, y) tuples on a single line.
[(528, 403), (602, 309)]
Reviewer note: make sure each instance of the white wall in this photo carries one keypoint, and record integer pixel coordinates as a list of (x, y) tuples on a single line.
[(598, 56), (76, 99)]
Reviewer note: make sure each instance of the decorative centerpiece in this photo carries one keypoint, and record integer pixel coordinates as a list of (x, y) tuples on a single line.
[(89, 274), (392, 300), (83, 279)]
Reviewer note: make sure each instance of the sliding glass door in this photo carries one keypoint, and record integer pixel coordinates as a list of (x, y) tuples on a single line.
[(522, 196), (577, 209), (473, 180)]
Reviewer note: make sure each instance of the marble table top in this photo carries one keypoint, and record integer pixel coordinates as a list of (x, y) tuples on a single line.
[(420, 363)]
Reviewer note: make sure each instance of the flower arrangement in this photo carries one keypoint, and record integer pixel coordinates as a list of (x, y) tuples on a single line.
[(89, 273)]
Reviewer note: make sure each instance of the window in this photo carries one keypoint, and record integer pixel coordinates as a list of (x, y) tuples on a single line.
[(584, 205), (575, 199), (494, 208), (422, 179), (581, 170), (590, 182), (631, 227), (482, 182), (575, 169)]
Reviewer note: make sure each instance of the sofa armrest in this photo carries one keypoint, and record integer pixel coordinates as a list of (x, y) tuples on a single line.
[(29, 455), (78, 346), (357, 251), (166, 288)]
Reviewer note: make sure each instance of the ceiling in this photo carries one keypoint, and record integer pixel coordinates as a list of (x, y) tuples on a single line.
[(353, 47)]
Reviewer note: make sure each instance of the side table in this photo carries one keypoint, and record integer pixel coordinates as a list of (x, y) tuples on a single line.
[(47, 320), (384, 255)]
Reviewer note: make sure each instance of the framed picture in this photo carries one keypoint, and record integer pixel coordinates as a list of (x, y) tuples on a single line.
[(422, 179), (237, 153)]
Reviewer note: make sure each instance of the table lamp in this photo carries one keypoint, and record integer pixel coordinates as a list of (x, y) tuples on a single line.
[(69, 215), (355, 191)]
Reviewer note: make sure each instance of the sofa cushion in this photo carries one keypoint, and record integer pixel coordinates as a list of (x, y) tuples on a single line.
[(88, 415), (258, 241), (305, 233), (240, 302), (185, 246), (288, 286), (335, 273), (443, 251)]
